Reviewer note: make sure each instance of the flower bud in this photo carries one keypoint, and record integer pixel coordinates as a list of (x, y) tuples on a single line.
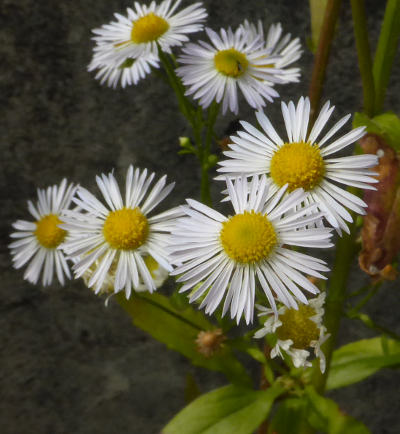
[(209, 342)]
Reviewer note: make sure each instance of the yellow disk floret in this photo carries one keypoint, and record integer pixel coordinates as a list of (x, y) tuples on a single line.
[(248, 237), (231, 62), (48, 233), (148, 28), (298, 164), (297, 326), (126, 229)]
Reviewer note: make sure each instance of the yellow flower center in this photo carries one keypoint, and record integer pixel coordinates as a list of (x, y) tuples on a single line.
[(148, 28), (248, 237), (231, 62), (48, 233), (126, 229), (298, 164), (297, 326)]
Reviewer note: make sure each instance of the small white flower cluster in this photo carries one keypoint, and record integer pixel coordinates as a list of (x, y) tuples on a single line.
[(304, 328)]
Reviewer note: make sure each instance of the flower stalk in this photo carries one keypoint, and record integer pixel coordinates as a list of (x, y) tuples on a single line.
[(322, 55), (336, 296), (364, 55)]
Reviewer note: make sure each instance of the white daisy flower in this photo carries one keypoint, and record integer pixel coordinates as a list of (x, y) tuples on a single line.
[(146, 27), (129, 72), (122, 233), (157, 272), (286, 50), (38, 242), (296, 331), (234, 60), (304, 160), (228, 254)]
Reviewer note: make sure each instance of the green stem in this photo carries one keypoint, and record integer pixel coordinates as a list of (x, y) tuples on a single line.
[(386, 51), (364, 55), (184, 104), (322, 55), (205, 163), (212, 117), (372, 291), (205, 187), (334, 306), (368, 322), (335, 299), (196, 121), (360, 291)]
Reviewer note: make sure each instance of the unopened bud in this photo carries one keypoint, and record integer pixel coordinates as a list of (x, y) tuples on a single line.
[(209, 342), (184, 142)]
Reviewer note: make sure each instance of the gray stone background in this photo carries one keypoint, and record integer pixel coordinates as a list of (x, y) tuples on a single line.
[(68, 363)]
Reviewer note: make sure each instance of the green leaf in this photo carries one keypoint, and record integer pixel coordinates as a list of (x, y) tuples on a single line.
[(192, 390), (386, 125), (325, 415), (358, 360), (178, 329), (229, 409), (290, 417), (386, 51), (317, 11)]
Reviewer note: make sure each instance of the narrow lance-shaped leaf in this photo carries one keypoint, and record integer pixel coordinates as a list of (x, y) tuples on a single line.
[(325, 415), (178, 329), (290, 417), (358, 360), (229, 409)]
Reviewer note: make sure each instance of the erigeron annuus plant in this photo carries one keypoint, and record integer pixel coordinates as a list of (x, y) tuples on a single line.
[(289, 194)]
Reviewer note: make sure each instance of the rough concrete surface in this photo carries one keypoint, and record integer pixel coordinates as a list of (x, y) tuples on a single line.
[(68, 363)]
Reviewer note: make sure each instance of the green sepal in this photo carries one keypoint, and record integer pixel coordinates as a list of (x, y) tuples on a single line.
[(358, 360), (178, 330), (229, 409)]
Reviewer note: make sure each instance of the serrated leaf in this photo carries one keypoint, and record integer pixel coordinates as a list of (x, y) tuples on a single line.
[(178, 330), (358, 360), (386, 125), (325, 415), (229, 409)]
